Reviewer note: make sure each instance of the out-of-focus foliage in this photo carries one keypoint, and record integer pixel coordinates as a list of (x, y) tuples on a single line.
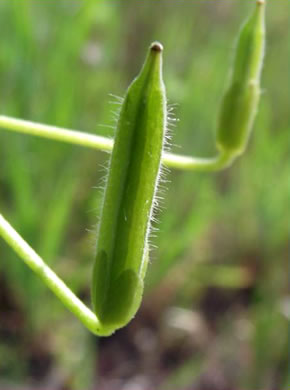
[(215, 309)]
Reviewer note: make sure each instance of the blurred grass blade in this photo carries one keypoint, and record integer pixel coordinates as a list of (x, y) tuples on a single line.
[(58, 210)]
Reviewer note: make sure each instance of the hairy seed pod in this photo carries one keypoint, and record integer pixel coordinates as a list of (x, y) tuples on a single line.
[(122, 243), (239, 105)]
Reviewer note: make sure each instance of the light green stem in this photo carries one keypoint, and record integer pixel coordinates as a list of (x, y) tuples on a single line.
[(220, 162), (223, 160), (35, 262)]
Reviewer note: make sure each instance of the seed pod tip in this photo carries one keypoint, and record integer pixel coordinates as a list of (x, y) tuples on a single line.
[(156, 46)]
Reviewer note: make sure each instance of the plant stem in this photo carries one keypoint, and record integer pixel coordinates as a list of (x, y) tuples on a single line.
[(223, 160), (102, 143), (56, 133), (35, 262)]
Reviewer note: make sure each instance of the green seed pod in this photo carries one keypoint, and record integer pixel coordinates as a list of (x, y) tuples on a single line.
[(122, 243), (240, 103)]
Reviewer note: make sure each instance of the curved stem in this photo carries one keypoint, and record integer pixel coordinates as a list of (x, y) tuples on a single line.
[(176, 161), (35, 262), (221, 161)]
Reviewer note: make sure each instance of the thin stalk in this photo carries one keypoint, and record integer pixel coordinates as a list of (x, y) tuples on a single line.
[(56, 133), (59, 288), (221, 161), (92, 141)]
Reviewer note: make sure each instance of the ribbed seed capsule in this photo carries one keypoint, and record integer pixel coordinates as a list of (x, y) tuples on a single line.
[(122, 243), (240, 102)]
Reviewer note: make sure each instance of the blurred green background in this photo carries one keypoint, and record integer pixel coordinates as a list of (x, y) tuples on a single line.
[(215, 311)]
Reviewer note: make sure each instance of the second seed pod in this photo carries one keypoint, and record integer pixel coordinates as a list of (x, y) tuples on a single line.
[(239, 105)]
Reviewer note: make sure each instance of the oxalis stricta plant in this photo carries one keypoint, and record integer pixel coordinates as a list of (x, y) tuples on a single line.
[(122, 248)]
